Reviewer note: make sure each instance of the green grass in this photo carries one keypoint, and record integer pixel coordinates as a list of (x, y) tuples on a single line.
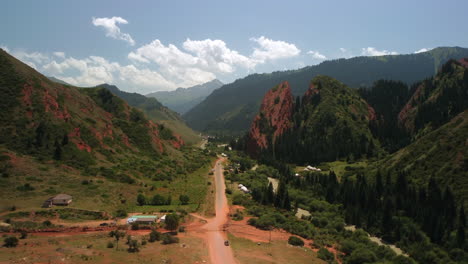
[(247, 251), (340, 167)]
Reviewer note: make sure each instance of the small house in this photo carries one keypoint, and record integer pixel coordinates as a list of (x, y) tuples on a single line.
[(162, 219), (62, 199)]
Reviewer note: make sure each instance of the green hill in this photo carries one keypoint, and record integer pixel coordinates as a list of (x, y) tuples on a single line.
[(85, 142), (442, 153), (157, 113), (182, 100), (231, 109), (331, 122)]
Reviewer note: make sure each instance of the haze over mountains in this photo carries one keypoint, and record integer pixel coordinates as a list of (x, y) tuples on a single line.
[(231, 109), (182, 100)]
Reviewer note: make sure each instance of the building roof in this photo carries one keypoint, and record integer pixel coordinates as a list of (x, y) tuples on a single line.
[(144, 216), (63, 196)]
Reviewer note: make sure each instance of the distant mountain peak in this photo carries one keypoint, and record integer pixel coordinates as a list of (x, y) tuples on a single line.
[(183, 99)]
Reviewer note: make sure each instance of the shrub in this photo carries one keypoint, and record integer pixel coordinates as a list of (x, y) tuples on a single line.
[(181, 229), (10, 242), (110, 244), (184, 199), (24, 235), (47, 223), (133, 246), (228, 191), (154, 236), (135, 226), (121, 213), (26, 187), (362, 255), (324, 254), (169, 239), (172, 221), (295, 241)]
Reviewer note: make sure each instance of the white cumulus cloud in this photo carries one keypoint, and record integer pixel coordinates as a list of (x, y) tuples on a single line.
[(316, 55), (273, 49), (371, 51), (215, 53), (59, 54), (111, 28), (343, 50)]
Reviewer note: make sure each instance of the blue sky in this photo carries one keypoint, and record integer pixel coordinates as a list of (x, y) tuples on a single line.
[(145, 46)]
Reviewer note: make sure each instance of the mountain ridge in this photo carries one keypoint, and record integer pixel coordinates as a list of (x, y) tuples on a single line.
[(182, 100), (231, 108)]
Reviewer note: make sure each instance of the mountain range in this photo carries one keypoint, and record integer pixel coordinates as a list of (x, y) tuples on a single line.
[(333, 122), (231, 108), (182, 100)]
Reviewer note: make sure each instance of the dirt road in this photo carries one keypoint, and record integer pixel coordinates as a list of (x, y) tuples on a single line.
[(219, 253)]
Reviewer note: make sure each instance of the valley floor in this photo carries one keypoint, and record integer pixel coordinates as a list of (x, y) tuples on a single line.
[(203, 242)]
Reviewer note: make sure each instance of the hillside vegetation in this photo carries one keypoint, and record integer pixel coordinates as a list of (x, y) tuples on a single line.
[(231, 109), (155, 111), (85, 142)]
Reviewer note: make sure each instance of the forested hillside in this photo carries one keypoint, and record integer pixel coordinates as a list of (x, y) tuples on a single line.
[(231, 109), (60, 139), (156, 112), (330, 122)]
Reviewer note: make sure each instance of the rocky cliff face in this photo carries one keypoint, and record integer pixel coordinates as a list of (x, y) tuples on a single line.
[(273, 119)]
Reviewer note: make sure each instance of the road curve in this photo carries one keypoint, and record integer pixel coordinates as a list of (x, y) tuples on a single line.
[(219, 253)]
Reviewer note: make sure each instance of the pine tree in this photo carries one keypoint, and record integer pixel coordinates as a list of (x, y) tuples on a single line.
[(461, 236), (57, 151)]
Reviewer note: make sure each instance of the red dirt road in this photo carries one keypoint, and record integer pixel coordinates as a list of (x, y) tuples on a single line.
[(219, 253)]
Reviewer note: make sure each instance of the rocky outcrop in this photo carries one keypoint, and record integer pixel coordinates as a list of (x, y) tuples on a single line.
[(273, 119)]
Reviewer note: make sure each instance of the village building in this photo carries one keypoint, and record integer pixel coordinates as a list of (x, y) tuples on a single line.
[(60, 199), (142, 219)]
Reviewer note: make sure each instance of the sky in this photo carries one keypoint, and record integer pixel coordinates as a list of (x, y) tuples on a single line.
[(146, 46)]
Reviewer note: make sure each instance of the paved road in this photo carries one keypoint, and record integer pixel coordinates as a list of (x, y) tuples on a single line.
[(219, 253)]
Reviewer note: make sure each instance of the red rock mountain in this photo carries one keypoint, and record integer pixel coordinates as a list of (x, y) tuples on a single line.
[(332, 121), (72, 124), (273, 119)]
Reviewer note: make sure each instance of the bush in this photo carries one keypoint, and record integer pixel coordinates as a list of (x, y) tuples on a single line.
[(326, 255), (169, 239), (172, 221), (362, 255), (110, 244), (228, 191), (24, 235), (295, 241), (154, 236), (121, 213), (10, 242), (184, 199), (135, 226), (26, 187), (47, 223), (181, 229)]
